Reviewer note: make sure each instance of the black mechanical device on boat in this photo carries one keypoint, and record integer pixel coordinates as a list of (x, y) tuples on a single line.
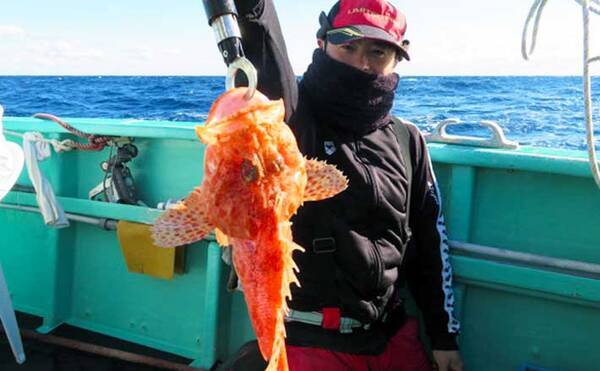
[(118, 185)]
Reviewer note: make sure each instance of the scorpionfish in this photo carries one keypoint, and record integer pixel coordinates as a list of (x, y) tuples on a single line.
[(255, 178)]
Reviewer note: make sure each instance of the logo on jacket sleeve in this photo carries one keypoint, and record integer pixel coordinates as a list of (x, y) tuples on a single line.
[(432, 190), (329, 147)]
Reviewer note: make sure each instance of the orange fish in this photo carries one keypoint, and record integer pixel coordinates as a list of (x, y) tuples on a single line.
[(255, 179)]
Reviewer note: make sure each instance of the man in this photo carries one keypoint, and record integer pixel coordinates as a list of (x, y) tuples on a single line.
[(361, 246)]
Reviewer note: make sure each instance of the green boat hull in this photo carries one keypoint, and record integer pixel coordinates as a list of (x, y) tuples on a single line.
[(539, 202)]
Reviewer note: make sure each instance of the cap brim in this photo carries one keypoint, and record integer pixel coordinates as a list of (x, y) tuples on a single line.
[(347, 34)]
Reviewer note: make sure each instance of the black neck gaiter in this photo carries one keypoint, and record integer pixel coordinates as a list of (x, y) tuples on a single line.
[(346, 97)]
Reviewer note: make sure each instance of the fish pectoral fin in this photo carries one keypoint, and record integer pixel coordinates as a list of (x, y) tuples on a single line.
[(222, 238), (184, 223), (323, 181)]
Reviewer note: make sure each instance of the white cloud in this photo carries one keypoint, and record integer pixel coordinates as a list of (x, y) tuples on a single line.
[(64, 51), (32, 54), (448, 38), (147, 53), (140, 53), (11, 31)]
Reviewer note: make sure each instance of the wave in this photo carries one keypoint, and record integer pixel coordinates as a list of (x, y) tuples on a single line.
[(536, 110)]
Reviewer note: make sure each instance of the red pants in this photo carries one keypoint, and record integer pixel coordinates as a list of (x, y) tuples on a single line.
[(404, 352)]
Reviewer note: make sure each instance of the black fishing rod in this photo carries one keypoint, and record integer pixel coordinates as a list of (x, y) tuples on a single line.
[(222, 17)]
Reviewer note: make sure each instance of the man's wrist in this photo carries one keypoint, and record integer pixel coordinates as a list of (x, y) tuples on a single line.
[(446, 341)]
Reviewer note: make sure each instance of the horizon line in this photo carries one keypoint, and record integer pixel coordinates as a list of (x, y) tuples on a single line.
[(223, 76)]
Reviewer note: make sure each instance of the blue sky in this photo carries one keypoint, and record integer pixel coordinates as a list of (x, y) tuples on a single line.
[(160, 37)]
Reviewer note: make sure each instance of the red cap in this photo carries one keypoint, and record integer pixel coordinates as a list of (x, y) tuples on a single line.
[(350, 20)]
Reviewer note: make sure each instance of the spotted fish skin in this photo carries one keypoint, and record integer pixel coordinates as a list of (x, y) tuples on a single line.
[(255, 179)]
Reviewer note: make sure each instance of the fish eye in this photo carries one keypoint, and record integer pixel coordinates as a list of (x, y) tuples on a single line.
[(249, 171)]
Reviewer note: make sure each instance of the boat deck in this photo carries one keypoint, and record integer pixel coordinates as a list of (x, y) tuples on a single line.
[(42, 355)]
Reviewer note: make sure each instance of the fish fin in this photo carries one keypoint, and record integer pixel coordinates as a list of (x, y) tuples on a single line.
[(323, 181), (222, 238), (290, 267), (278, 360), (184, 223), (266, 270)]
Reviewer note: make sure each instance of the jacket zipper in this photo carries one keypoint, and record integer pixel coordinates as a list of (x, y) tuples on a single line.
[(370, 177), (374, 247), (378, 264)]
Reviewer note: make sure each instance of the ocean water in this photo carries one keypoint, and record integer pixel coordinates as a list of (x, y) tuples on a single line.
[(539, 111)]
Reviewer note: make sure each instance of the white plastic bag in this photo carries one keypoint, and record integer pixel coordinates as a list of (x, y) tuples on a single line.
[(11, 164)]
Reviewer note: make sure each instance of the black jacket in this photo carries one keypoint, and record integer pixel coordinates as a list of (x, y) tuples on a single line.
[(365, 223)]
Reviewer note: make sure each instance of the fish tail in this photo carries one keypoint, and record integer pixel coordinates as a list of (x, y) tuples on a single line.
[(283, 361), (266, 270), (278, 361)]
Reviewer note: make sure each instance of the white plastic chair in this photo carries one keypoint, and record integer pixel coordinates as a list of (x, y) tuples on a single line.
[(11, 164)]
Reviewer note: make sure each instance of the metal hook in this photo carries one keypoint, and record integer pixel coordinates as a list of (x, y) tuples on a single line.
[(248, 68)]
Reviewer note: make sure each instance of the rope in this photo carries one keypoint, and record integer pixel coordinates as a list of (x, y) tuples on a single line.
[(536, 10), (58, 146), (588, 6), (95, 142), (587, 91), (592, 8)]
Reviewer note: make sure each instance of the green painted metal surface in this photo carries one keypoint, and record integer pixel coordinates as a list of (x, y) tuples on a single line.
[(532, 200)]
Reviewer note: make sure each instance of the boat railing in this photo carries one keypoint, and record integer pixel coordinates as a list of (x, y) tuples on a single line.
[(497, 140)]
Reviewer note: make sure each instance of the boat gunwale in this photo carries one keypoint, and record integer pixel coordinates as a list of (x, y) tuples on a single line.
[(526, 158)]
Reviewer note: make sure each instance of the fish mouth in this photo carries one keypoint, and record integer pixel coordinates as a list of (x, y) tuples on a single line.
[(256, 114), (233, 101)]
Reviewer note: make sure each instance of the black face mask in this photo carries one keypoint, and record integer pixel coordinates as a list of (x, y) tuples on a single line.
[(346, 97)]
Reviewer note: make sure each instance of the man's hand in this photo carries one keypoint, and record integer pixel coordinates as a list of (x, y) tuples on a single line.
[(448, 360)]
